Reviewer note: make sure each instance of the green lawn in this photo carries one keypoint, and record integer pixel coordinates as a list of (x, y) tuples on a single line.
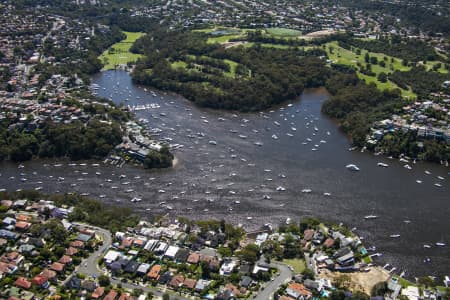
[(349, 58), (231, 73), (119, 53), (222, 38), (299, 265), (283, 32)]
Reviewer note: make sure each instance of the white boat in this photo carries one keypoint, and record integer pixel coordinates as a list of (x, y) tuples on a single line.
[(370, 217), (394, 236), (213, 142), (427, 246), (327, 194), (352, 167), (280, 189), (438, 184), (419, 181), (427, 172), (440, 244), (380, 164), (407, 167), (258, 144), (242, 136), (274, 136), (293, 129), (276, 123), (306, 191)]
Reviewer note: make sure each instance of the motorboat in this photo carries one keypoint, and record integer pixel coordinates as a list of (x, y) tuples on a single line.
[(370, 217), (352, 167), (306, 191), (380, 164), (394, 236), (281, 189)]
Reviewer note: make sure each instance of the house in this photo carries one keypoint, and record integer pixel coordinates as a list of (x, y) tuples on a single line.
[(98, 293), (298, 291), (225, 295), (245, 282), (126, 296), (23, 283), (41, 281), (165, 278), (131, 266), (8, 234), (71, 251), (111, 256), (57, 267), (77, 244), (154, 272), (189, 283), (202, 285), (193, 258), (65, 260), (260, 267), (49, 274), (111, 295), (227, 267), (412, 292), (171, 252), (182, 255), (74, 283), (143, 268), (88, 285), (176, 281)]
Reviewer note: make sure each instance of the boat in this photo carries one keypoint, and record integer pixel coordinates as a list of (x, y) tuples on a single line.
[(258, 144), (293, 129), (213, 142), (370, 217), (380, 164), (419, 181), (394, 236), (427, 172), (242, 136), (440, 244), (276, 123), (440, 177), (327, 194), (352, 167), (438, 184), (407, 167), (280, 189), (274, 136), (427, 246), (306, 191)]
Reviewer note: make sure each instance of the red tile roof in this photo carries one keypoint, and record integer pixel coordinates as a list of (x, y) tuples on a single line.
[(56, 266), (22, 283), (39, 280), (98, 292), (111, 295)]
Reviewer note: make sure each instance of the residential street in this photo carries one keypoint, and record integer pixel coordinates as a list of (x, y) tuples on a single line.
[(271, 287)]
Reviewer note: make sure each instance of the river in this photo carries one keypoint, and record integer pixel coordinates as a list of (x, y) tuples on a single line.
[(262, 168)]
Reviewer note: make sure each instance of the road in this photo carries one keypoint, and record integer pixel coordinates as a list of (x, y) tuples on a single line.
[(90, 267), (272, 286)]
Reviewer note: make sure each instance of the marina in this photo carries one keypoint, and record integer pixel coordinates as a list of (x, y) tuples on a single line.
[(302, 182)]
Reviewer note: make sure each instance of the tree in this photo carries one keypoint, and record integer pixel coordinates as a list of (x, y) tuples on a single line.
[(382, 77), (104, 280), (166, 296)]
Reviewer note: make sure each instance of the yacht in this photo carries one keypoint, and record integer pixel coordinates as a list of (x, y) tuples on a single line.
[(394, 236), (419, 181), (276, 123), (352, 167), (380, 164), (306, 191), (440, 244), (281, 189), (369, 217), (438, 184), (407, 167), (427, 246), (275, 137)]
